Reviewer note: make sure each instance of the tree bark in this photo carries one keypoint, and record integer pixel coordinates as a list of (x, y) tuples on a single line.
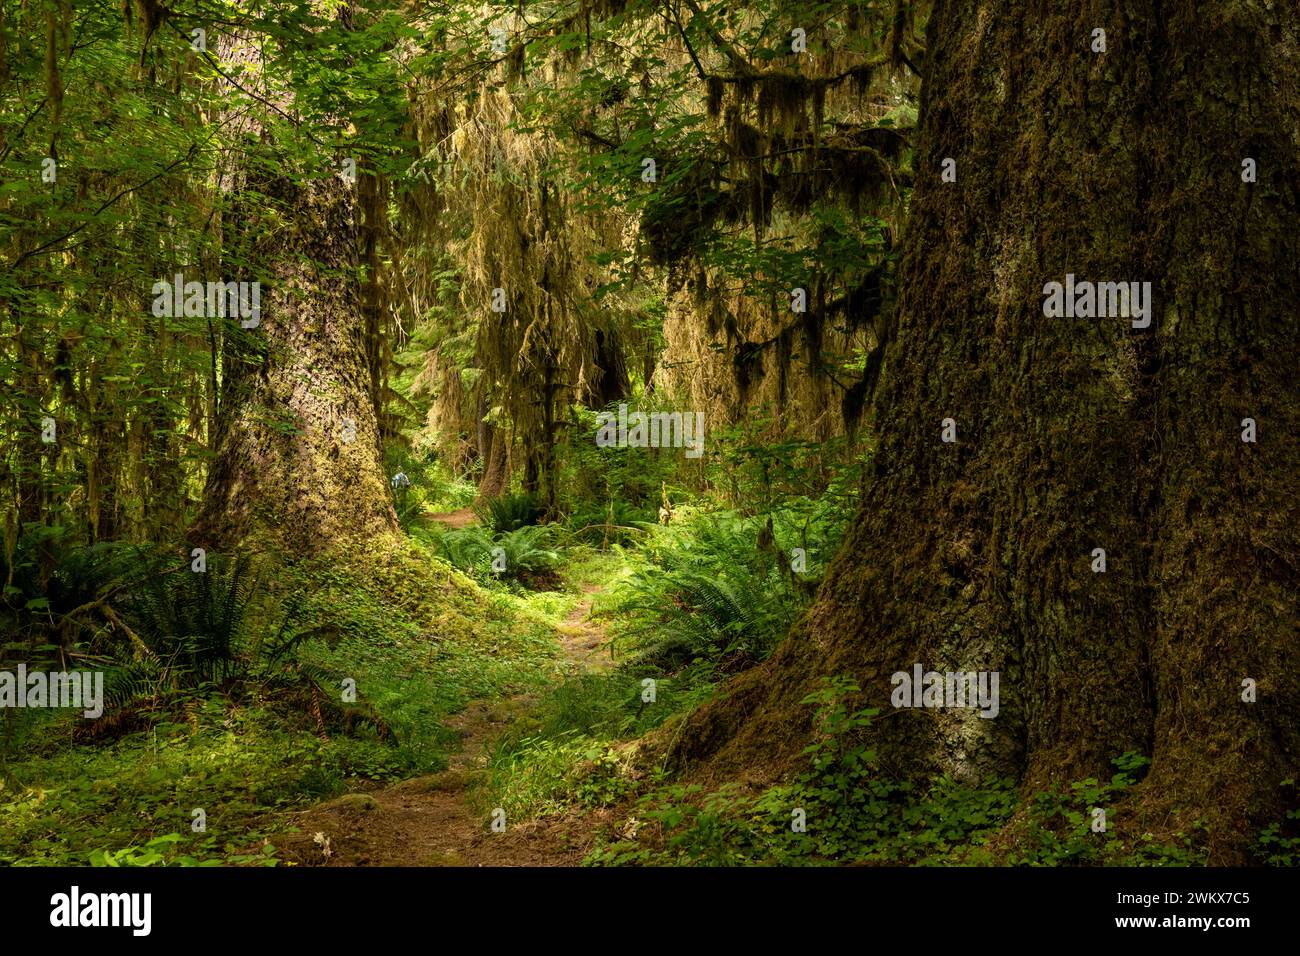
[(1081, 433), (492, 451), (298, 449)]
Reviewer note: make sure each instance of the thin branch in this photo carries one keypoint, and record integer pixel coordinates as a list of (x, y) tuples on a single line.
[(189, 154), (738, 62), (296, 122), (690, 49)]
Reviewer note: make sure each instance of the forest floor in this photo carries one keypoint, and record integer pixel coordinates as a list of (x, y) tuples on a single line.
[(439, 819), (454, 520)]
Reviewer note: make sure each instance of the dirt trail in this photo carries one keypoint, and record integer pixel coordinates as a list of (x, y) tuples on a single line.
[(433, 820), (455, 520), (583, 641)]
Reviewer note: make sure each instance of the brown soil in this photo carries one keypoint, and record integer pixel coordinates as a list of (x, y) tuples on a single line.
[(454, 520), (435, 820), (583, 640)]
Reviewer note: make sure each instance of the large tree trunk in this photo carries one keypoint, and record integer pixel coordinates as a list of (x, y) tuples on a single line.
[(492, 450), (298, 455), (1075, 434)]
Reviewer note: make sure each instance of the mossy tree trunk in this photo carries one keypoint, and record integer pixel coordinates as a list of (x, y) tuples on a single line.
[(298, 450), (492, 451), (1076, 434)]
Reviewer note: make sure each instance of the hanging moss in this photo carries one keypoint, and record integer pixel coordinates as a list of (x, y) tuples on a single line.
[(516, 61), (747, 367), (782, 98), (679, 217), (716, 90)]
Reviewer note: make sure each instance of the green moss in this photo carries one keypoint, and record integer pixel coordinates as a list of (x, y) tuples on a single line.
[(419, 640), (234, 764)]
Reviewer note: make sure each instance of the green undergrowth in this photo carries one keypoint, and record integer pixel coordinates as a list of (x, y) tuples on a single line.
[(711, 593), (580, 753), (1278, 843), (420, 640), (135, 799), (577, 749), (688, 604), (282, 729), (841, 811), (429, 488)]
